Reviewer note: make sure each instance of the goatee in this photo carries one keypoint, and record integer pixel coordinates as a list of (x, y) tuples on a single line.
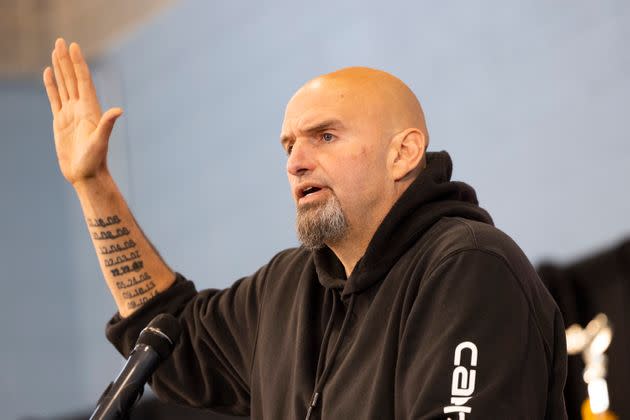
[(320, 223)]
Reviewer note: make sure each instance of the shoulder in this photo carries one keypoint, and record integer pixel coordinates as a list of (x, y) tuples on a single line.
[(475, 261), (456, 238), (453, 235), (289, 259), (286, 267)]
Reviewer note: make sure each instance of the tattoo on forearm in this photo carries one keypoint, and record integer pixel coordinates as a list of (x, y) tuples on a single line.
[(112, 249), (141, 290), (109, 262), (123, 261), (141, 301), (108, 234), (108, 221), (132, 281), (125, 269)]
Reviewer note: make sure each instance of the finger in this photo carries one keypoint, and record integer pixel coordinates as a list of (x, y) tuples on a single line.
[(85, 84), (106, 124), (61, 86), (82, 72), (51, 91), (67, 70)]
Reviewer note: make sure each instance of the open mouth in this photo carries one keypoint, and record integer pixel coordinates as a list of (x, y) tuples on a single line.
[(309, 190)]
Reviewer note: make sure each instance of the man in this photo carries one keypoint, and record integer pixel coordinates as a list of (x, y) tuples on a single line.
[(403, 301)]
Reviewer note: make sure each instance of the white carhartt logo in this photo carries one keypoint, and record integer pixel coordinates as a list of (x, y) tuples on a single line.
[(463, 384)]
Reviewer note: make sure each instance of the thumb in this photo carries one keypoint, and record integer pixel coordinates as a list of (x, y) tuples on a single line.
[(106, 124)]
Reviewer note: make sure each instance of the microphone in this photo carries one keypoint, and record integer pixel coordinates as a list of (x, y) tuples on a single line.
[(155, 344)]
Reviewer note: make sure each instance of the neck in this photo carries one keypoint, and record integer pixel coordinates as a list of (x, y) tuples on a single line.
[(354, 244), (349, 255), (352, 247)]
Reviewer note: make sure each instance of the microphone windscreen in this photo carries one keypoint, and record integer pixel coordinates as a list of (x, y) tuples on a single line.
[(161, 334)]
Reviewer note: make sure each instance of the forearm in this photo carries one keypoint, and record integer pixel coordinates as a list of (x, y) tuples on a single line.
[(133, 269)]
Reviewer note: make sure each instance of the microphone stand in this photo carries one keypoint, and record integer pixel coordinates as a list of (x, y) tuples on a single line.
[(155, 343)]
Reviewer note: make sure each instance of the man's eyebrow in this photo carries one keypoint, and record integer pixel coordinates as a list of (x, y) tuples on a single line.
[(316, 128), (324, 125)]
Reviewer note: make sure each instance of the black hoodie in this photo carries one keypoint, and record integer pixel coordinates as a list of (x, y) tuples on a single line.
[(443, 317)]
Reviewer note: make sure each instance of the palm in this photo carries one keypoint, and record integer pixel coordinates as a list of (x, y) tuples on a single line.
[(81, 131), (79, 151)]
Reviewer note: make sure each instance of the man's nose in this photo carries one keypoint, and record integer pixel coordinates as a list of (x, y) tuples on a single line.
[(300, 159)]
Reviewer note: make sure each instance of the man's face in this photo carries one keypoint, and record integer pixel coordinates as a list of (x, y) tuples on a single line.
[(336, 160)]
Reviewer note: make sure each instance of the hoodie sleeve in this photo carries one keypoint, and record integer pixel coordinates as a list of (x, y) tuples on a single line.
[(473, 346), (210, 365)]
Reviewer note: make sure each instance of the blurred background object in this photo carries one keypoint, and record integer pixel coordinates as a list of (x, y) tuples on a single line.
[(591, 343), (529, 98), (28, 26), (585, 290)]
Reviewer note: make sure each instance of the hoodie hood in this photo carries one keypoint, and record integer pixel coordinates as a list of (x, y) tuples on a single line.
[(430, 197)]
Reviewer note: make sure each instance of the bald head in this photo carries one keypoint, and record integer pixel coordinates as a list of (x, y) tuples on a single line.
[(380, 96)]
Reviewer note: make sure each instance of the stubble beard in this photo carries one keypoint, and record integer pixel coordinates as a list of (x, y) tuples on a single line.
[(318, 224)]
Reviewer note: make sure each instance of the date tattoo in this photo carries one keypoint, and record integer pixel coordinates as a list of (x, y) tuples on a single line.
[(134, 304), (108, 234), (133, 281), (108, 221), (112, 249), (126, 269), (109, 262), (123, 260), (141, 290)]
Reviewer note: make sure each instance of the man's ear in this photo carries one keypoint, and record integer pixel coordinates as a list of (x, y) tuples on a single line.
[(407, 151)]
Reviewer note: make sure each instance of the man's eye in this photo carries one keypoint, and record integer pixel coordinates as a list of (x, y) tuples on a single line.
[(289, 148), (327, 137)]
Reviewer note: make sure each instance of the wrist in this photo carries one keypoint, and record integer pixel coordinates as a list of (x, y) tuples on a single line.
[(100, 181)]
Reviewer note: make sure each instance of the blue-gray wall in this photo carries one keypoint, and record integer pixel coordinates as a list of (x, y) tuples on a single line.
[(530, 99)]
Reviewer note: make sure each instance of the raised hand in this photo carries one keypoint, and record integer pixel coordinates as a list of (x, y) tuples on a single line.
[(81, 130)]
